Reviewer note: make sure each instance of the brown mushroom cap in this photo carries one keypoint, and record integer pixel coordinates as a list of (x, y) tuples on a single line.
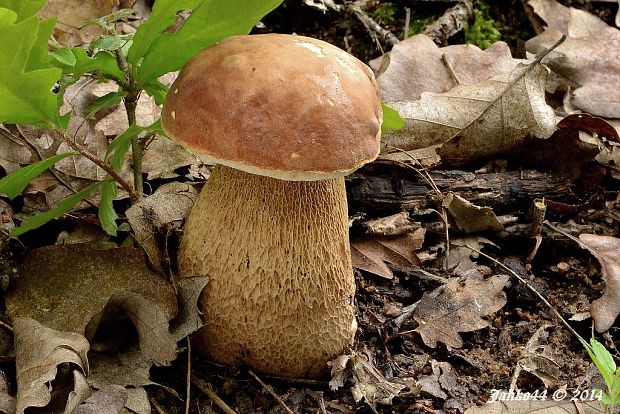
[(288, 107)]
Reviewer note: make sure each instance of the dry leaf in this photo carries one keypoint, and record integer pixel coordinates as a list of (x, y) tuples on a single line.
[(189, 318), (109, 400), (13, 153), (458, 307), (606, 249), (537, 359), (372, 252), (7, 402), (76, 280), (151, 216), (44, 355), (72, 15), (163, 156), (418, 65), (588, 60), (459, 257), (475, 122), (569, 20), (546, 407), (393, 225), (369, 384), (469, 218)]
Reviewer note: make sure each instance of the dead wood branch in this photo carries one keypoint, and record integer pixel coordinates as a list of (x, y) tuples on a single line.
[(451, 22)]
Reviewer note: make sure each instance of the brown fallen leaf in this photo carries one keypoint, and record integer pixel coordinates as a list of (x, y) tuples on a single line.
[(13, 152), (418, 65), (461, 253), (95, 288), (538, 360), (606, 249), (189, 319), (152, 216), (44, 355), (71, 29), (474, 122), (7, 401), (109, 400), (587, 61), (546, 407), (163, 156), (370, 253), (458, 307), (469, 218), (369, 384)]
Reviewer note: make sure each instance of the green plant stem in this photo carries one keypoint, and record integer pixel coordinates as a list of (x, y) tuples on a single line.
[(131, 102), (99, 162)]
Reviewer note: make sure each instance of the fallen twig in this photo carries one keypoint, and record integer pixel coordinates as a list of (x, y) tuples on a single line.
[(452, 21), (357, 9), (270, 390), (204, 387)]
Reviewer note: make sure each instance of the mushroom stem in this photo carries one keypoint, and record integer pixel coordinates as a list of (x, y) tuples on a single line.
[(281, 287)]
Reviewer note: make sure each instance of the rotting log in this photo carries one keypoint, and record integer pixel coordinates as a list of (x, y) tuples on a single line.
[(385, 191)]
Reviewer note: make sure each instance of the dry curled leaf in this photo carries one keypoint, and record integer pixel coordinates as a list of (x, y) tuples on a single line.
[(469, 218), (75, 288), (606, 249), (458, 307), (109, 400), (537, 358), (151, 216), (418, 65), (369, 384), (44, 355), (587, 61), (371, 253)]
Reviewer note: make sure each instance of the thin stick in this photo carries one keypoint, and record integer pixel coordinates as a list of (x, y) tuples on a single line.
[(6, 326), (532, 289), (156, 406), (271, 391), (188, 380), (98, 162), (407, 21), (204, 387)]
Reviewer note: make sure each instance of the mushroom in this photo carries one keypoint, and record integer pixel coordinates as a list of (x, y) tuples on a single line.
[(285, 117)]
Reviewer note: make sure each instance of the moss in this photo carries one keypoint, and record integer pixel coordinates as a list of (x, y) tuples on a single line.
[(485, 31), (384, 13)]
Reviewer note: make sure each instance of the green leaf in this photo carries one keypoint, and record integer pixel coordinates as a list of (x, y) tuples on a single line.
[(64, 56), (26, 96), (603, 355), (105, 101), (109, 43), (392, 120), (23, 8), (39, 58), (594, 350), (157, 90), (209, 22), (103, 62), (57, 211), (13, 184), (107, 214), (163, 15)]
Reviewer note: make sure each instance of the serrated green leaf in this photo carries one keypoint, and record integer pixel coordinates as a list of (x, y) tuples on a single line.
[(105, 101), (58, 210), (64, 56), (600, 365), (392, 120), (39, 58), (210, 22), (103, 62), (23, 8), (107, 214), (109, 43), (163, 15), (25, 96), (13, 184)]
